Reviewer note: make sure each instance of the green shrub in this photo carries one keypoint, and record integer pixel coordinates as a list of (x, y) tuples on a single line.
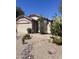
[(56, 27), (56, 30), (50, 40), (57, 40), (25, 37), (29, 30)]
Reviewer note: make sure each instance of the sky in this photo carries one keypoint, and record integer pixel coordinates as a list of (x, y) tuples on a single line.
[(46, 8)]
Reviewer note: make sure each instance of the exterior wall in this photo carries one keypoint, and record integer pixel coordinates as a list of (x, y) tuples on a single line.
[(45, 26), (23, 25), (38, 27), (35, 18), (42, 26), (48, 27)]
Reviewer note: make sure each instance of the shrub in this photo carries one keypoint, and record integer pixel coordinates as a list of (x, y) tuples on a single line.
[(25, 37), (56, 27), (29, 30), (57, 40), (50, 40)]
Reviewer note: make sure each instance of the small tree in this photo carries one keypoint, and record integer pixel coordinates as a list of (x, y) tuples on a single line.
[(41, 22), (29, 30), (56, 27), (56, 30), (19, 11)]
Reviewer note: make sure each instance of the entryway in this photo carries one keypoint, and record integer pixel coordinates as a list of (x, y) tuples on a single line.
[(35, 26)]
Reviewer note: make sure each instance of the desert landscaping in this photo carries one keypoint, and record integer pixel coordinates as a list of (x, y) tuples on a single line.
[(39, 29), (41, 47)]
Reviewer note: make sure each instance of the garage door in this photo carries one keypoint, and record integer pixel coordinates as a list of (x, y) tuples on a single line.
[(22, 28)]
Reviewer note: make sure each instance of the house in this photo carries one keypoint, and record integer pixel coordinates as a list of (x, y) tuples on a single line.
[(31, 21)]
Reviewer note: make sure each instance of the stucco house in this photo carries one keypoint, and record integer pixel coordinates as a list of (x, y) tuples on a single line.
[(31, 21)]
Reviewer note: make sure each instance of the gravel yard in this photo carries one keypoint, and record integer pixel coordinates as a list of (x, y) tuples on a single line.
[(42, 49)]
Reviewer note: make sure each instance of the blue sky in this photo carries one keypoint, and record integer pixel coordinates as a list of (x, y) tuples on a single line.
[(46, 8)]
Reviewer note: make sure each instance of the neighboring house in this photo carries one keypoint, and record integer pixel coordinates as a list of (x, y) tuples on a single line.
[(31, 21)]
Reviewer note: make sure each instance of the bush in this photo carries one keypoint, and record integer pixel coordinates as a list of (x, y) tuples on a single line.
[(57, 40), (29, 30), (56, 27), (25, 37), (50, 40)]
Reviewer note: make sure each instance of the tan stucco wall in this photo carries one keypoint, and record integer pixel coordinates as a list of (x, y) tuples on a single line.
[(48, 27), (35, 18), (22, 28)]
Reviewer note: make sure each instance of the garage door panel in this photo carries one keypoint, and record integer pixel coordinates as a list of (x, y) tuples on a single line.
[(22, 28)]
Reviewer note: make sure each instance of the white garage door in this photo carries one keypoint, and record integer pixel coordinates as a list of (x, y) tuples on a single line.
[(22, 28), (22, 25)]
